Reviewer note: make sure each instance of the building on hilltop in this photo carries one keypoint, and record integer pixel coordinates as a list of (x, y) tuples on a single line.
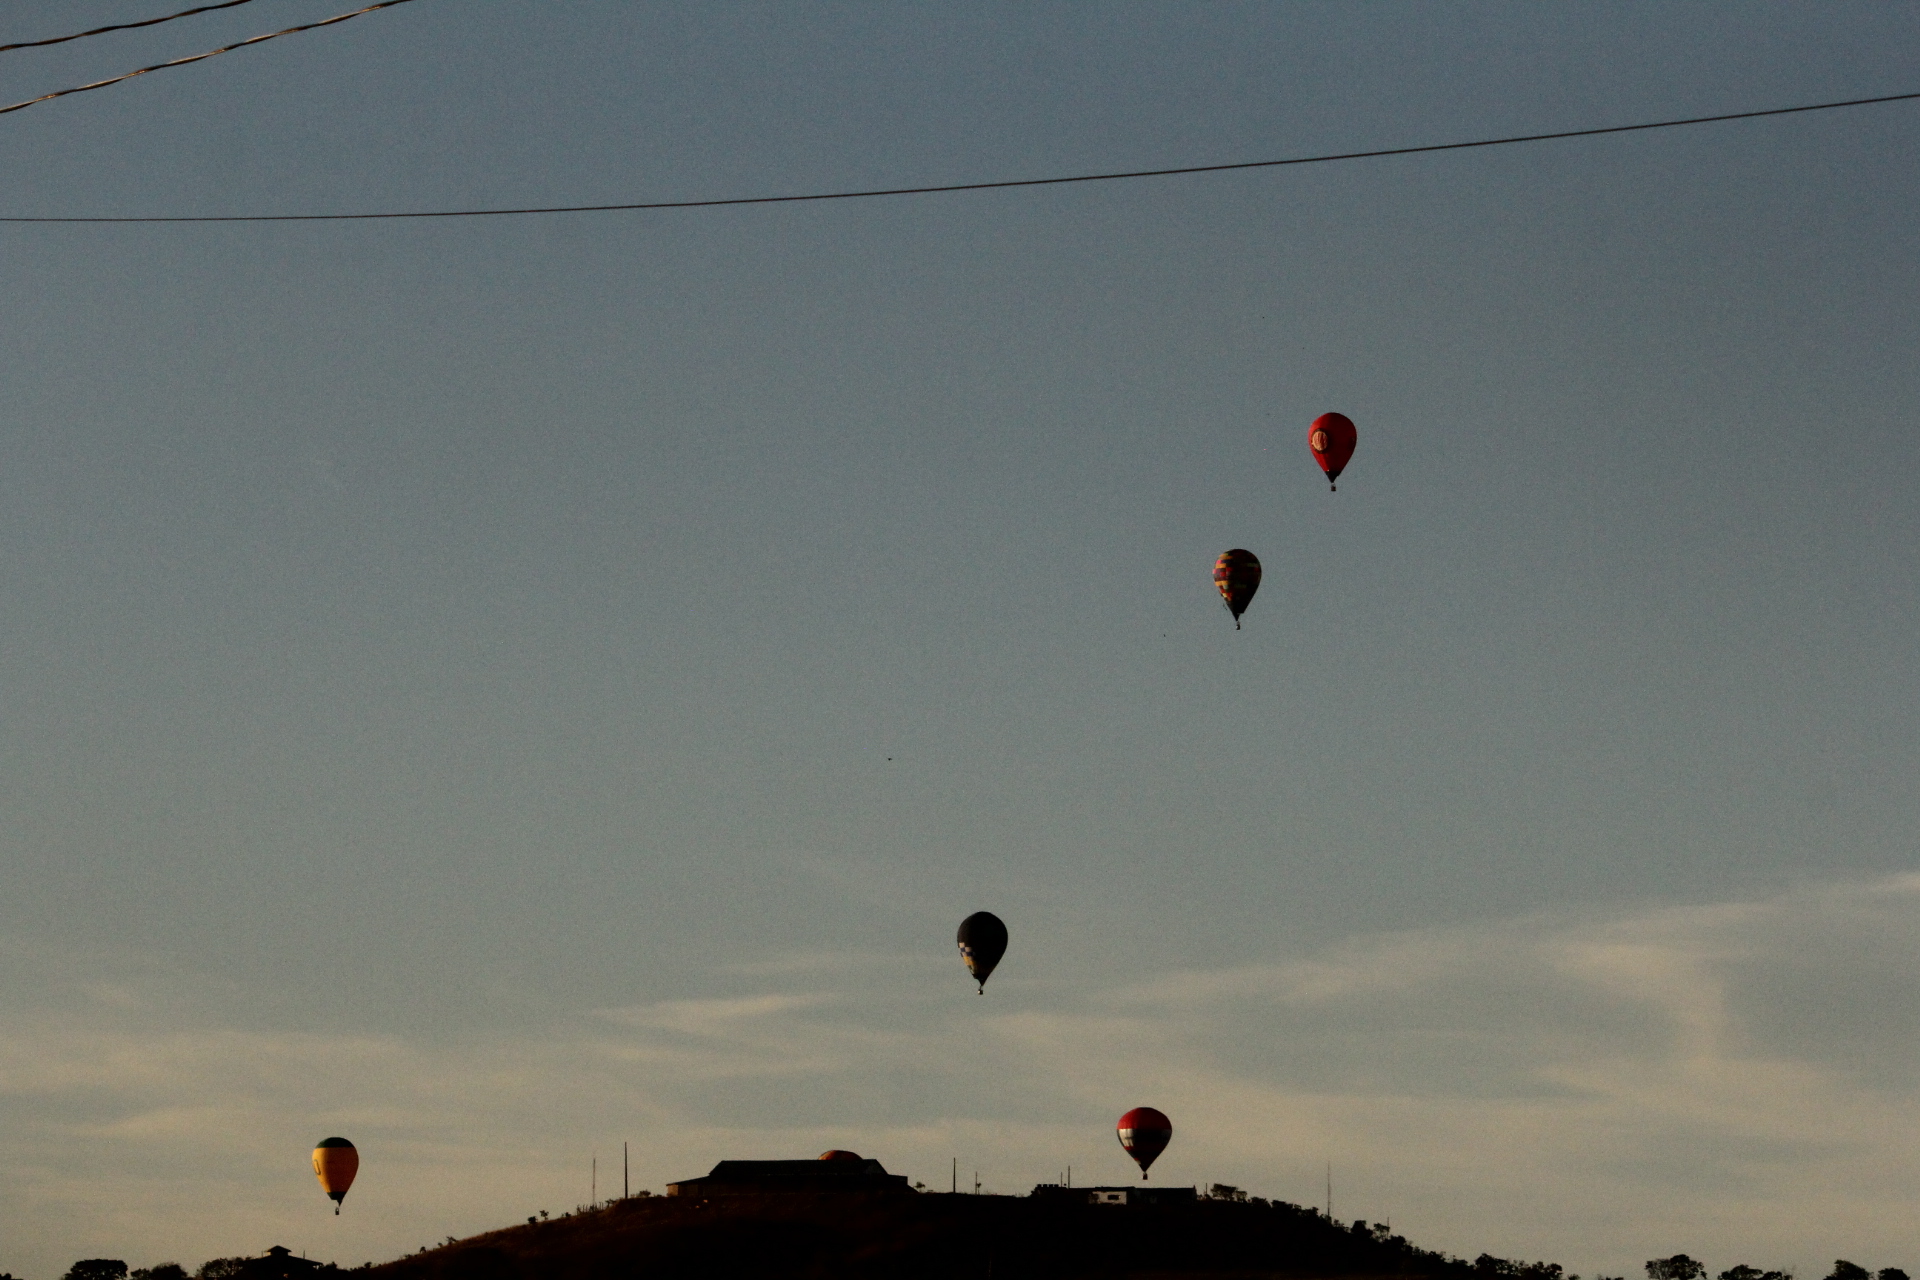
[(834, 1171), (278, 1263), (1115, 1195)]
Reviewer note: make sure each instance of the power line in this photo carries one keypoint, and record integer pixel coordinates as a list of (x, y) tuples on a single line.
[(202, 57), (123, 26), (989, 186)]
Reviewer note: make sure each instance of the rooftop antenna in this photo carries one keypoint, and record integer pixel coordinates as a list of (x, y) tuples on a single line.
[(593, 1196), (1329, 1191), (956, 1175), (626, 1188)]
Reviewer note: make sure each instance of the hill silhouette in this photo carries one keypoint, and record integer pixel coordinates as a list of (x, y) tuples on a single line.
[(858, 1236)]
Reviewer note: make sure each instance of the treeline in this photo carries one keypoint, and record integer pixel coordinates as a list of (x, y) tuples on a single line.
[(1678, 1267), (114, 1269), (254, 1268), (1681, 1267), (1489, 1267)]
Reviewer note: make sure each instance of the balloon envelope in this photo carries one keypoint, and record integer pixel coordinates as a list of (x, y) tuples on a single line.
[(1237, 574), (1145, 1133), (335, 1161), (983, 940), (837, 1154), (1332, 437)]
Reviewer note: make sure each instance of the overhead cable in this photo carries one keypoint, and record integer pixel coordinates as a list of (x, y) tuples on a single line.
[(991, 186), (121, 26), (202, 57)]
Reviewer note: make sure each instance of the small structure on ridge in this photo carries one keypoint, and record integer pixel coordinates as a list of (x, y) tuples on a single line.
[(1116, 1195), (834, 1171)]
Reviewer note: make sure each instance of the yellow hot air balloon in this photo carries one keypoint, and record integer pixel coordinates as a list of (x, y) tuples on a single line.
[(335, 1162)]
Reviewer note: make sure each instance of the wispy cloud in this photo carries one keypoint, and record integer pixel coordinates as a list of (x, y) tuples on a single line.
[(1595, 1082), (711, 1017), (1739, 1080)]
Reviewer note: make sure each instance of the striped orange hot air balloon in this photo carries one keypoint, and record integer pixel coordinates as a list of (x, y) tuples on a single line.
[(1237, 574), (335, 1162)]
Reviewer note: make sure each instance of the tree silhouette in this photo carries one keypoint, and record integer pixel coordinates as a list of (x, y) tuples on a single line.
[(1745, 1272), (1678, 1267), (97, 1269)]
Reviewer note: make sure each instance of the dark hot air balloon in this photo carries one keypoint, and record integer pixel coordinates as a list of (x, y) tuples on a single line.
[(1237, 574), (335, 1162), (1145, 1133), (983, 940), (837, 1154), (1332, 437)]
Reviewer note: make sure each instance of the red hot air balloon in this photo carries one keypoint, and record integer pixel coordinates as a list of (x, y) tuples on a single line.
[(1332, 437), (837, 1154), (1145, 1133), (1237, 574)]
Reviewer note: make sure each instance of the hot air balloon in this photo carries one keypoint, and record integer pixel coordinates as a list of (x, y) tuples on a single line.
[(335, 1162), (1332, 437), (1237, 574), (1145, 1133), (837, 1154), (983, 940)]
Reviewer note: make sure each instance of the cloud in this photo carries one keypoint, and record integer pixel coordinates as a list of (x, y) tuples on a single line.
[(1606, 1086), (1737, 1080), (710, 1017)]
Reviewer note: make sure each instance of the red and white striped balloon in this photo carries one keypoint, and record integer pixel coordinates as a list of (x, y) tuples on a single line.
[(1145, 1133)]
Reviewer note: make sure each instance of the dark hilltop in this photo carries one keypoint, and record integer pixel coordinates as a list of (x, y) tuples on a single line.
[(855, 1234)]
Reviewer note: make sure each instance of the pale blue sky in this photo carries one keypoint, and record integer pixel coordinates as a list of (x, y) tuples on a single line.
[(499, 688)]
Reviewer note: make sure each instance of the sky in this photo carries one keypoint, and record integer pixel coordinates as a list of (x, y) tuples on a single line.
[(500, 689)]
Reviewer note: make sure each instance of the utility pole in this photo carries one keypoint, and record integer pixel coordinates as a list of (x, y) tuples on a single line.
[(956, 1175), (1329, 1191), (593, 1196), (626, 1188)]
